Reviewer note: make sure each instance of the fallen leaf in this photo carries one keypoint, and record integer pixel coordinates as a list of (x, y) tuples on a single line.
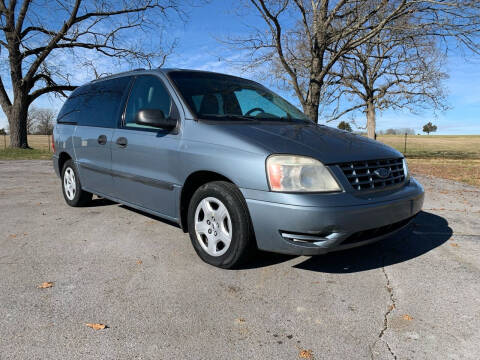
[(45, 285), (454, 244), (407, 317), (240, 320), (306, 354), (12, 236), (391, 307), (139, 262), (96, 326), (233, 289)]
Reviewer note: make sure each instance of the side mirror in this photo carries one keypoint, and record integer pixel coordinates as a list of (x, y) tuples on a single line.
[(155, 118)]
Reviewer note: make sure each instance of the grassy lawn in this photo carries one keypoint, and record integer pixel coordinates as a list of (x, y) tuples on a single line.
[(445, 156), (467, 171), (436, 146), (39, 143), (24, 154)]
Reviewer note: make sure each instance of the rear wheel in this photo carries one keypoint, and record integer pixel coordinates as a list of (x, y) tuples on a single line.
[(72, 189), (219, 225)]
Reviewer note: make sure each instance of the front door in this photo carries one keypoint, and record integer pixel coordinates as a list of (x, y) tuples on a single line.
[(144, 157)]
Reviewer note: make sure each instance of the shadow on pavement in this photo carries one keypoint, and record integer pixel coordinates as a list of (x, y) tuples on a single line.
[(262, 259), (151, 216), (425, 233), (105, 202), (95, 202)]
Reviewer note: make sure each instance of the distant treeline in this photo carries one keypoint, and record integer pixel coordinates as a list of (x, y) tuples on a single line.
[(400, 131)]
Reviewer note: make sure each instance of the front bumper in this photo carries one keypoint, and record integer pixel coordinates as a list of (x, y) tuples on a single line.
[(311, 224)]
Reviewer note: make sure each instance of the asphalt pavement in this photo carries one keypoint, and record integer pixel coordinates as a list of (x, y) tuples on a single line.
[(413, 296)]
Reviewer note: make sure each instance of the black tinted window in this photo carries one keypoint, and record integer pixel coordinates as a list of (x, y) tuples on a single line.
[(96, 104), (148, 92)]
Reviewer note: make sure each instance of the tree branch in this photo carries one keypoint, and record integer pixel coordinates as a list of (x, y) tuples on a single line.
[(42, 56), (21, 15), (4, 99), (276, 30), (54, 88)]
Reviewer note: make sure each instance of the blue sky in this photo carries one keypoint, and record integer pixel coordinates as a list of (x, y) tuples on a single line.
[(199, 48)]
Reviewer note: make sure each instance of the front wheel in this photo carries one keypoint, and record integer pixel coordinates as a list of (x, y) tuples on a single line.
[(219, 225), (72, 189)]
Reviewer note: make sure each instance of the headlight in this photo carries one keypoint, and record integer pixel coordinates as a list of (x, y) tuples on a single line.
[(289, 173), (405, 169)]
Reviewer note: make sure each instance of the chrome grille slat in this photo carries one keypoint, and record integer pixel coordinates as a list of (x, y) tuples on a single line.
[(369, 167), (360, 174)]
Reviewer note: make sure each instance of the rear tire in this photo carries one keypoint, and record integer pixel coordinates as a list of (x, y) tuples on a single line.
[(71, 187), (219, 225)]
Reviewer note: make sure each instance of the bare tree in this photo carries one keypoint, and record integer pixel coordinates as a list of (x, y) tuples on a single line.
[(399, 68), (306, 39), (42, 120), (31, 120), (36, 34)]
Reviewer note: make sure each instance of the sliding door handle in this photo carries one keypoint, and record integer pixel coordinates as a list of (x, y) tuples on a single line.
[(122, 142), (102, 139)]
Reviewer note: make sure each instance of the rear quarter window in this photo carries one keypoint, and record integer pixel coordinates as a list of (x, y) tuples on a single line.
[(97, 104)]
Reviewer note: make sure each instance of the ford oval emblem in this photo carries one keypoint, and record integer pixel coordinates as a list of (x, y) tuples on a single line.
[(382, 173)]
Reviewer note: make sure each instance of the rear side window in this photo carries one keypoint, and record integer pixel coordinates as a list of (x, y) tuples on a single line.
[(97, 104)]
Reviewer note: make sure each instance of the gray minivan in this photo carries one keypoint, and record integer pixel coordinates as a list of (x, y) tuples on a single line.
[(232, 163)]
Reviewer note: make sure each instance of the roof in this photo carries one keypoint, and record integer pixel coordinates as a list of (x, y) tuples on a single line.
[(162, 70)]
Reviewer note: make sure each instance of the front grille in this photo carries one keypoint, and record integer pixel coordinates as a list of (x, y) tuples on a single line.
[(366, 175), (377, 232)]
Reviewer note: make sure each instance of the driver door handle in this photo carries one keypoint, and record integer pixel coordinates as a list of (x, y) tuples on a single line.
[(102, 140), (122, 141)]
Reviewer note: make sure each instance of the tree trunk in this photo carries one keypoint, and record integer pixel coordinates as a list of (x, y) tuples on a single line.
[(17, 119), (371, 121), (312, 103), (311, 111)]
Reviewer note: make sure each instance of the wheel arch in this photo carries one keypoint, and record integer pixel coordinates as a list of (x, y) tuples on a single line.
[(191, 184), (63, 157)]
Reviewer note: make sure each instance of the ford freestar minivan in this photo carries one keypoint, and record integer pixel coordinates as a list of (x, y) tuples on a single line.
[(232, 163)]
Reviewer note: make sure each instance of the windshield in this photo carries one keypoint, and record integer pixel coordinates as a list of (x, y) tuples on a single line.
[(221, 97)]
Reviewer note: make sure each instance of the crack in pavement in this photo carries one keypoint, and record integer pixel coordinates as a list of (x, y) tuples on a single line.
[(392, 307)]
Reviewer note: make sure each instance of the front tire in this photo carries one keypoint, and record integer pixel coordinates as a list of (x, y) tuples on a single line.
[(219, 225), (71, 187)]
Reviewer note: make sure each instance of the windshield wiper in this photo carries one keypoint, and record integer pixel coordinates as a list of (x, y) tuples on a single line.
[(232, 117)]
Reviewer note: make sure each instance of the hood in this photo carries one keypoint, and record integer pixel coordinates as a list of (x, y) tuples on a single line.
[(324, 143)]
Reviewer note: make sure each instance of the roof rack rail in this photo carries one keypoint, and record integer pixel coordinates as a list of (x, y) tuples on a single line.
[(117, 74)]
